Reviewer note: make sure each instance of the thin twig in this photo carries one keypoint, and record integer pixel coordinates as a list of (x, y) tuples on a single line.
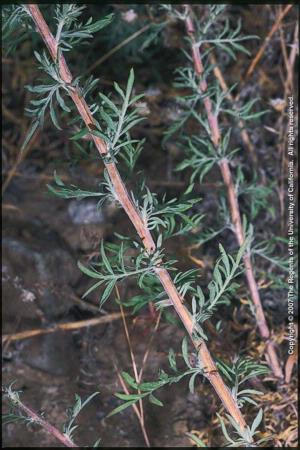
[(232, 199), (117, 48), (293, 54), (134, 366), (123, 197), (124, 387), (262, 49), (20, 158), (11, 116), (288, 88), (68, 326), (289, 61), (147, 352)]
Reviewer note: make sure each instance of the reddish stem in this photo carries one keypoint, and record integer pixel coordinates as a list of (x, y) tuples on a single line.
[(233, 200), (122, 195), (64, 439)]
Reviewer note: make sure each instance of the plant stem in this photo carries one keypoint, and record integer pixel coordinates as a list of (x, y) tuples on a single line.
[(69, 326), (134, 406), (123, 196), (243, 130), (64, 439), (141, 417), (232, 200)]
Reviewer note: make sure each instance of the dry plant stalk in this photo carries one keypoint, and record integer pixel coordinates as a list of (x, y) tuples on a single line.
[(233, 201), (273, 30), (140, 415), (212, 374), (69, 326), (20, 158)]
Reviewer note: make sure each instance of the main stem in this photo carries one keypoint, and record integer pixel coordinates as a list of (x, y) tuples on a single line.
[(123, 197), (232, 200)]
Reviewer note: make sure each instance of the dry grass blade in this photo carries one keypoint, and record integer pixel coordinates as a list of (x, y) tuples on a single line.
[(117, 48)]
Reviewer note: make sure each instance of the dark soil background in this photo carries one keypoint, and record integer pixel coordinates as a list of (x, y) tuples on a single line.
[(44, 237)]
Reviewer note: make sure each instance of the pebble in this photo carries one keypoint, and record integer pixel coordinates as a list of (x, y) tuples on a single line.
[(38, 272), (85, 212)]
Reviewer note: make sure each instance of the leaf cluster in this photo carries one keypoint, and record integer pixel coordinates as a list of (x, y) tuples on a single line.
[(106, 191), (73, 412), (227, 38), (239, 372), (146, 389), (201, 155), (243, 437), (221, 288), (257, 194), (15, 413), (116, 122), (69, 31), (48, 94), (152, 291), (16, 23), (168, 217), (117, 263)]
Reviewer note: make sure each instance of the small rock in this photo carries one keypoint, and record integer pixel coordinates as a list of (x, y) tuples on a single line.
[(39, 272), (85, 212), (52, 353)]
